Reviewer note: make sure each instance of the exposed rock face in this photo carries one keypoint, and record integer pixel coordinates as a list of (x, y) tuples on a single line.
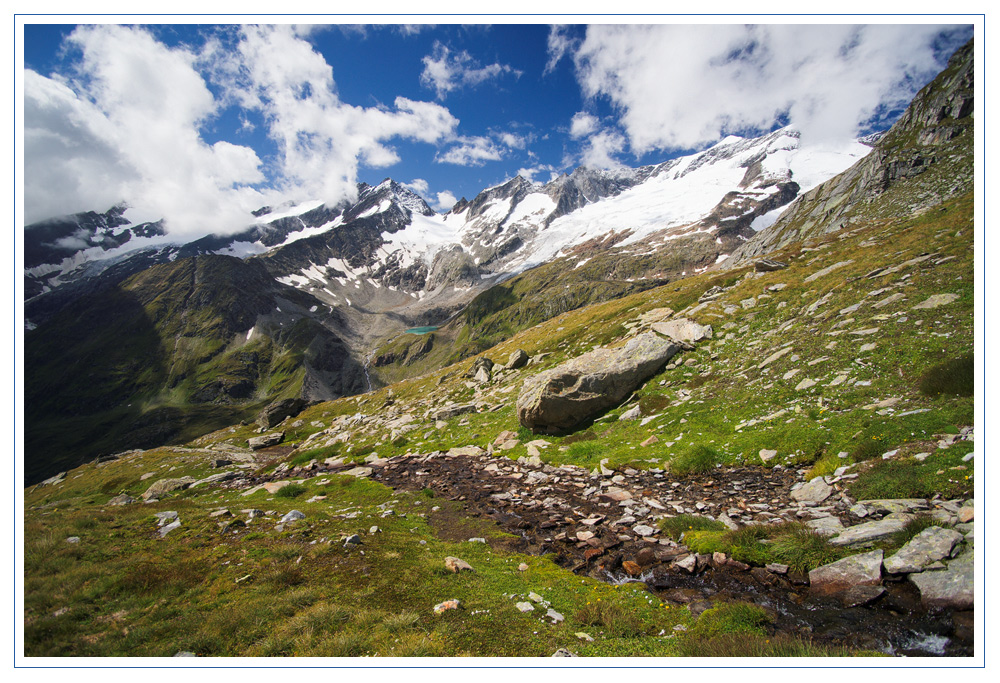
[(279, 410), (584, 387)]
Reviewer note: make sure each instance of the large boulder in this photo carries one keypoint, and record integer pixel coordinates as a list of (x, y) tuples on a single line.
[(929, 546), (265, 441), (952, 588), (166, 486), (857, 570), (585, 387), (279, 410)]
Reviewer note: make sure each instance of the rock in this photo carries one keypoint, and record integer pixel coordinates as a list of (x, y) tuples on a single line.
[(774, 356), (525, 606), (872, 531), (952, 588), (615, 494), (683, 330), (176, 524), (776, 568), (165, 517), (967, 512), (166, 486), (73, 539), (258, 442), (221, 462), (858, 596), (645, 557), (688, 563), (53, 480), (563, 652), (517, 360), (816, 491), (454, 411), (633, 413), (185, 653), (292, 516), (279, 410), (352, 541), (583, 636), (644, 530), (471, 451), (805, 384), (123, 499), (936, 300), (447, 605), (631, 568), (857, 570), (650, 441), (929, 546), (585, 387), (767, 454), (522, 567), (359, 472), (456, 565), (554, 616), (766, 265), (826, 526), (482, 376)]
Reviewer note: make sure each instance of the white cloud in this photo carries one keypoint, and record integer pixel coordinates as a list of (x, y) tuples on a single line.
[(445, 71), (680, 87), (470, 151), (601, 148), (418, 185), (444, 201), (582, 125), (128, 127), (512, 140), (530, 173), (559, 45)]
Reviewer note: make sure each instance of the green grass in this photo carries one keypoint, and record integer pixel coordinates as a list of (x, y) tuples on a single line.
[(696, 459), (954, 377), (908, 478), (291, 491)]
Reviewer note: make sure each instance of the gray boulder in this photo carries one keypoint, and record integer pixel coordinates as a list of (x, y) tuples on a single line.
[(872, 531), (166, 486), (279, 410), (587, 386), (258, 442), (766, 265), (816, 491), (454, 411), (683, 330), (951, 588), (291, 516), (123, 499), (857, 570), (929, 546), (518, 359)]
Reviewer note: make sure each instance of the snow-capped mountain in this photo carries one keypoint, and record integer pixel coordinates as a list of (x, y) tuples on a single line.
[(389, 252)]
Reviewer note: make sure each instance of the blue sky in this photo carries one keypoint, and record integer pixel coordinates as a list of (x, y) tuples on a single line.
[(201, 124)]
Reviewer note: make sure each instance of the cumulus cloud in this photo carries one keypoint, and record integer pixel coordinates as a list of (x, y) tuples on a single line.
[(445, 70), (560, 43), (679, 87), (601, 149), (582, 125), (444, 201), (127, 129), (418, 185), (532, 171), (128, 126), (470, 151)]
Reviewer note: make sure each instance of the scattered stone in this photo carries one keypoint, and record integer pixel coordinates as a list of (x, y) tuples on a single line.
[(525, 606), (454, 411), (644, 530), (447, 605), (354, 540), (588, 385), (291, 516), (554, 616), (816, 491), (563, 652), (826, 526), (583, 636), (123, 499), (936, 300), (517, 360), (683, 330), (766, 455), (633, 413), (805, 384), (650, 441), (522, 567), (165, 517), (170, 527), (185, 653), (267, 440), (774, 356), (163, 486), (359, 472), (826, 271), (456, 565), (766, 265), (73, 539), (777, 568)]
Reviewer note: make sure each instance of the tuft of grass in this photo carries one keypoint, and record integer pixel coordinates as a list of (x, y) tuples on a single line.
[(677, 526), (733, 617), (290, 491), (912, 528), (755, 645), (954, 377), (610, 616), (697, 459), (908, 478), (803, 549)]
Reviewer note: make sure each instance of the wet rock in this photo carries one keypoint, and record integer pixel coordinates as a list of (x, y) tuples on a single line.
[(857, 570), (858, 596), (929, 546), (587, 386), (279, 410), (163, 486), (267, 440)]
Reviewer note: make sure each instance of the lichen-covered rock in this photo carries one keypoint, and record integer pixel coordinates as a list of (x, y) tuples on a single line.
[(929, 546), (683, 329), (162, 486), (952, 588), (585, 387)]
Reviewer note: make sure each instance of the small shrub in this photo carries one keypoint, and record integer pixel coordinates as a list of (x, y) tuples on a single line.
[(290, 491), (697, 459), (955, 377)]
